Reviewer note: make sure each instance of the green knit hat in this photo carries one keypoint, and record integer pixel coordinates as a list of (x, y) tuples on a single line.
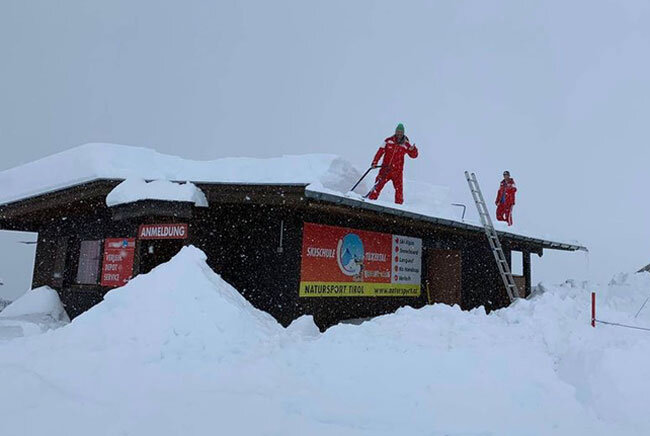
[(400, 126)]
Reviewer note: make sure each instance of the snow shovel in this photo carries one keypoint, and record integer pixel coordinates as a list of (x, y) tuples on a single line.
[(364, 176)]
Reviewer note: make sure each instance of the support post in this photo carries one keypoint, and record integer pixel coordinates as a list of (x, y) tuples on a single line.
[(527, 272), (593, 309)]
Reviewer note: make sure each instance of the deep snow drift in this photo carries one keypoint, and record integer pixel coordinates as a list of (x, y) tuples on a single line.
[(36, 311), (179, 351)]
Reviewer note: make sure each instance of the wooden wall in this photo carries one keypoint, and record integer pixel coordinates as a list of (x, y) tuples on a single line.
[(242, 242)]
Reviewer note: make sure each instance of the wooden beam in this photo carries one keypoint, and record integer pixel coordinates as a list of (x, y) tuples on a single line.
[(152, 208), (527, 271)]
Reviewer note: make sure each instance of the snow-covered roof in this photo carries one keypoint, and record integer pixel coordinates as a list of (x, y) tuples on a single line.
[(419, 213), (111, 161), (326, 177)]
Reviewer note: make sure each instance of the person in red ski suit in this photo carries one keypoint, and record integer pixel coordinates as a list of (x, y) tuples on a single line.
[(392, 166), (506, 198)]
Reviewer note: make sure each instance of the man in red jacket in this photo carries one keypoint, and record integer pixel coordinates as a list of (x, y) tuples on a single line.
[(506, 198), (392, 166)]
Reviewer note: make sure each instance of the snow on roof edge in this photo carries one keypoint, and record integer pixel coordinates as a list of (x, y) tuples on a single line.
[(80, 182), (323, 173), (103, 161), (327, 196), (355, 202), (132, 190), (50, 190)]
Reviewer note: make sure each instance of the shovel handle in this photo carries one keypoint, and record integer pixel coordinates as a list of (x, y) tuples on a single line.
[(372, 167)]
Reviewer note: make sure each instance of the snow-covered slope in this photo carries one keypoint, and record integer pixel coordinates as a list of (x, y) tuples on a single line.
[(179, 351)]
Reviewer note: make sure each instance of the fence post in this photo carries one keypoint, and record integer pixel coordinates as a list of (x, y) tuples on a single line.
[(593, 309)]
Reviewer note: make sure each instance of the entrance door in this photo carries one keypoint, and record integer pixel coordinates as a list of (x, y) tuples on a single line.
[(153, 252), (444, 276)]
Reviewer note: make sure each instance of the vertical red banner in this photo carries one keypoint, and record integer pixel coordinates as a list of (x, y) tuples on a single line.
[(117, 267)]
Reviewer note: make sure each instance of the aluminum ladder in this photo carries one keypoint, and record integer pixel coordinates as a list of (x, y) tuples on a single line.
[(490, 232)]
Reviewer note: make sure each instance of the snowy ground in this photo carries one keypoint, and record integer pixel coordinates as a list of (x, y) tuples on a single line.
[(178, 351)]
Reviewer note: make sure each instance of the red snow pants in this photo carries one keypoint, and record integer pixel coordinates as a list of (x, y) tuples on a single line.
[(504, 212), (382, 179)]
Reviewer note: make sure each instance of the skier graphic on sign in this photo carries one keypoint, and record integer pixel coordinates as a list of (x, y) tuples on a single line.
[(349, 255)]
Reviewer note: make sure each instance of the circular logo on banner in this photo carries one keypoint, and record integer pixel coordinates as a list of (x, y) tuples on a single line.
[(349, 254)]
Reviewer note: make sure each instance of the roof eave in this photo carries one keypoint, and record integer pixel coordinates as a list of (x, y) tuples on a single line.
[(437, 220), (330, 198)]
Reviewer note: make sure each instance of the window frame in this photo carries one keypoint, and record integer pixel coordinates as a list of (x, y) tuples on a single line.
[(85, 273)]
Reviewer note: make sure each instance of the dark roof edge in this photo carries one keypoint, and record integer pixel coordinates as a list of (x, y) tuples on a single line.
[(54, 190), (330, 198), (435, 220), (87, 181)]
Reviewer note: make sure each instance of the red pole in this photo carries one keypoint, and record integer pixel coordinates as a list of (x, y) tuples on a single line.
[(593, 309)]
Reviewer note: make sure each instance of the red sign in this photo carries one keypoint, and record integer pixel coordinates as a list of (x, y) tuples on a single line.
[(162, 231), (343, 262), (117, 267)]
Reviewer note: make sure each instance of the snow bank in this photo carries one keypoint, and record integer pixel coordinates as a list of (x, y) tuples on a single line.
[(132, 190), (188, 310), (179, 351), (4, 303), (34, 312), (111, 161), (39, 301)]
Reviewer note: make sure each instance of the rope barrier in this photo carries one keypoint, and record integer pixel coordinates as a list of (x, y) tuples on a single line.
[(642, 306), (594, 320), (622, 325)]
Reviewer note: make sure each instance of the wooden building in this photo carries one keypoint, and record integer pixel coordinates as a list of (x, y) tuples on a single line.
[(289, 250)]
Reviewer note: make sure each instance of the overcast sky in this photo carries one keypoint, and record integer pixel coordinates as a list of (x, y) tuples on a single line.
[(556, 92)]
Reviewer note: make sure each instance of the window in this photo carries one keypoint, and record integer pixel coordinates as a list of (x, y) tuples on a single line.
[(89, 262), (517, 263)]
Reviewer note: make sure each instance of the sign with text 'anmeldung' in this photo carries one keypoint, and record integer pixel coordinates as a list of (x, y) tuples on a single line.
[(343, 262), (117, 267), (162, 231)]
